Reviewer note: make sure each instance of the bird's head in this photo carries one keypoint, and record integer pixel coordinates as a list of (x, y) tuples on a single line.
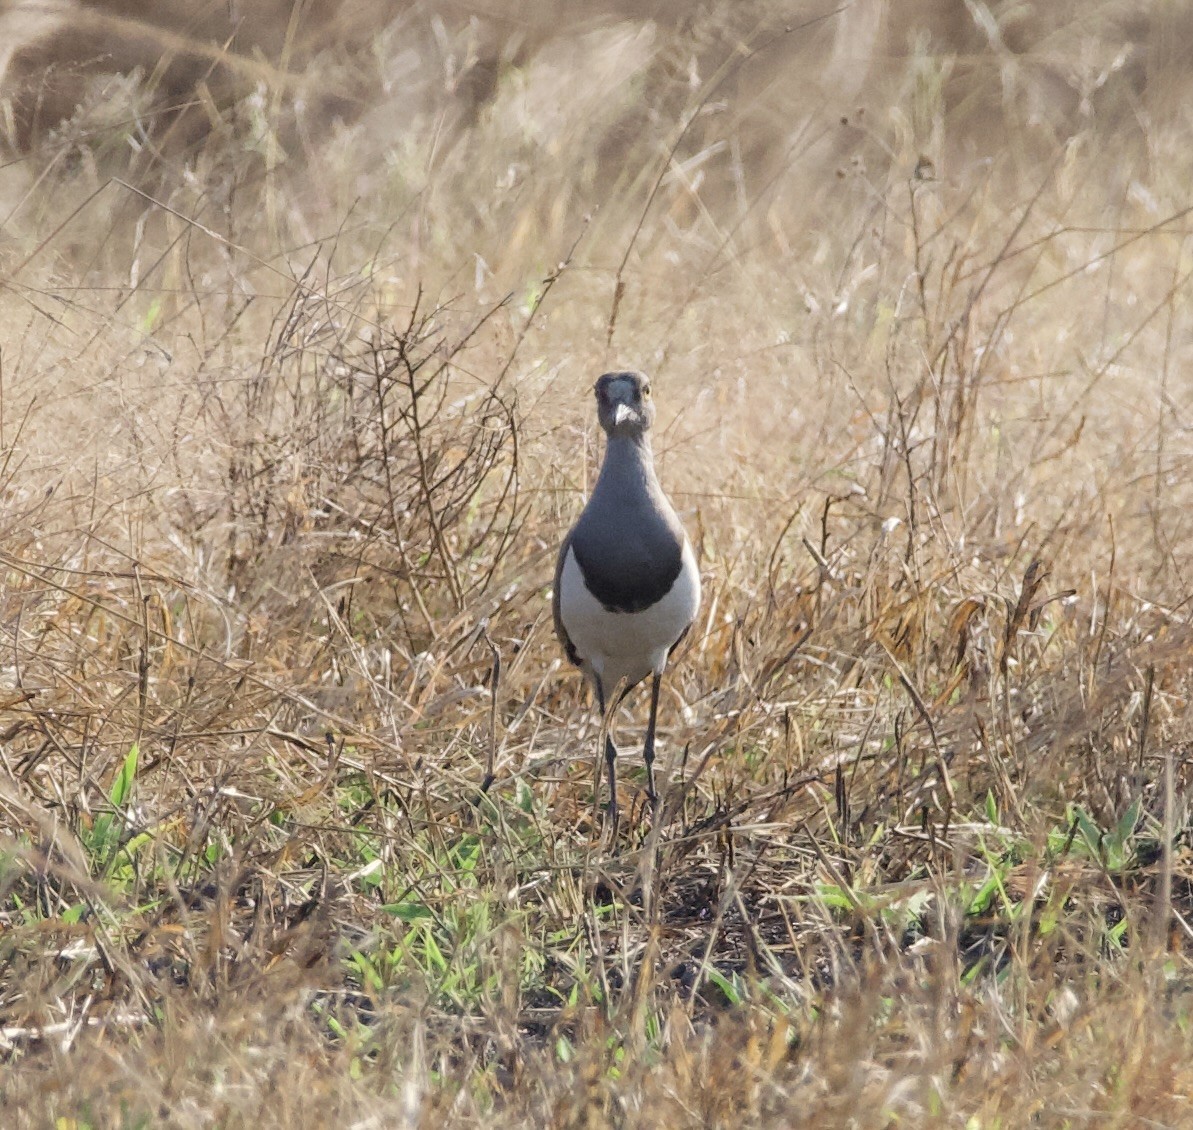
[(624, 405)]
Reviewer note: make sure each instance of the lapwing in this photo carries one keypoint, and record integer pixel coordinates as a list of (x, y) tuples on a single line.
[(627, 586)]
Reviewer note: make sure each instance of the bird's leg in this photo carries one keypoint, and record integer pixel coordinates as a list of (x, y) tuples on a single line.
[(648, 746), (610, 755)]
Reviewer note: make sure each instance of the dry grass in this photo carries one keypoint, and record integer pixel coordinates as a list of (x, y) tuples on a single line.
[(293, 411)]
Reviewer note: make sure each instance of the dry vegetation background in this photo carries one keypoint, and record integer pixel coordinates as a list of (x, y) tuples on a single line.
[(300, 306)]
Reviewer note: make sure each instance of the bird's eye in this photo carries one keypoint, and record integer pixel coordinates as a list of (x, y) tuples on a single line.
[(646, 392)]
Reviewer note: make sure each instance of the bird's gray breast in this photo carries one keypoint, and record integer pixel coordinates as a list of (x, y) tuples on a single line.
[(630, 553)]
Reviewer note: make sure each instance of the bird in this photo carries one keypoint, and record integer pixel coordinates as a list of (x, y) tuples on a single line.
[(627, 585)]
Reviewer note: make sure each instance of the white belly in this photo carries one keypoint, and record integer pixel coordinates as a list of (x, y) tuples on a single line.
[(629, 645)]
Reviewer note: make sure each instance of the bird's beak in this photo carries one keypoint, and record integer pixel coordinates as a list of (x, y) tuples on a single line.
[(621, 414)]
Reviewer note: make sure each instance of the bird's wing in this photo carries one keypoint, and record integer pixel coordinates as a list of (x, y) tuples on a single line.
[(560, 630)]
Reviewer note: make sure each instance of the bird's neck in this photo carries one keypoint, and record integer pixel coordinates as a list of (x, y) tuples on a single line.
[(628, 461)]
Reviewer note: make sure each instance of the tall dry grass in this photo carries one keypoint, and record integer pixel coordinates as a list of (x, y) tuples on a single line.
[(297, 795)]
